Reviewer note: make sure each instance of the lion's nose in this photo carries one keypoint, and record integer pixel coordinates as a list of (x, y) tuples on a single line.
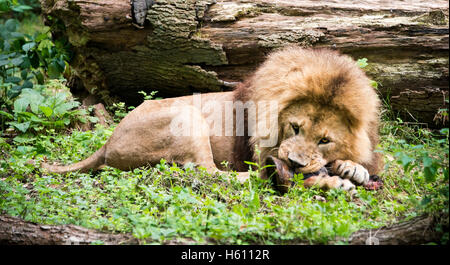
[(297, 161)]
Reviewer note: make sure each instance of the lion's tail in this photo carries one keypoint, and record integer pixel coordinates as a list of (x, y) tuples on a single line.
[(93, 162)]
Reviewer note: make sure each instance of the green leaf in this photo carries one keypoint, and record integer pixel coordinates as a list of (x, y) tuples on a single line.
[(28, 46), (4, 62), (60, 123), (21, 104), (91, 119), (17, 61), (26, 63), (34, 59), (24, 74), (66, 121), (24, 139), (46, 110), (24, 150), (39, 77), (17, 35), (255, 203), (25, 114), (35, 118), (14, 91), (362, 62), (54, 70), (6, 114), (374, 84), (41, 37), (6, 45), (11, 25), (427, 161), (425, 201), (430, 174), (65, 107), (27, 84), (342, 229), (45, 44), (21, 8), (405, 161), (23, 127), (62, 65), (34, 98), (5, 56), (13, 79)]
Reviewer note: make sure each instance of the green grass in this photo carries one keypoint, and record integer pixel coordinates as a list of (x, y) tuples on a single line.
[(168, 202)]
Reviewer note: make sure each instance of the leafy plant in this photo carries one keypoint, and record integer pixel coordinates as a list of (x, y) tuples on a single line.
[(35, 110), (442, 114), (24, 58), (148, 96), (27, 62), (362, 63), (18, 6), (120, 110)]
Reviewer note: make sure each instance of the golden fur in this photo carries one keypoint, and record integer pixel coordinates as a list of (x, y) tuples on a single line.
[(331, 90), (319, 92)]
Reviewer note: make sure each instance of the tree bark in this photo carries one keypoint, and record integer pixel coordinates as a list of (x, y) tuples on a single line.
[(182, 46), (419, 230), (15, 231)]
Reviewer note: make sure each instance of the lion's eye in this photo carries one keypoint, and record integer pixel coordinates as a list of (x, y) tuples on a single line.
[(296, 128), (324, 141)]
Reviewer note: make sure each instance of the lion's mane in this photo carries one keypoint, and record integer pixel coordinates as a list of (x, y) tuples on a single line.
[(322, 77)]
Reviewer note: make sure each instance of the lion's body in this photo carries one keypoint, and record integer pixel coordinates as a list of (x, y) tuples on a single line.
[(144, 136), (322, 93)]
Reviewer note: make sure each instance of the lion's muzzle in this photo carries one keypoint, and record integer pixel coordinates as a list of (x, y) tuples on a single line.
[(282, 174)]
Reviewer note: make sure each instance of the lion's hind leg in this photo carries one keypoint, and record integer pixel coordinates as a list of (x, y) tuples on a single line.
[(197, 141)]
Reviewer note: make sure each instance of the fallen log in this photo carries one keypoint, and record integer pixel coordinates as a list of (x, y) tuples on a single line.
[(15, 231), (178, 47), (419, 230)]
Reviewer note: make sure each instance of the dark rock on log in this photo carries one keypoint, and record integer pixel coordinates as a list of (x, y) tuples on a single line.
[(139, 10), (188, 46)]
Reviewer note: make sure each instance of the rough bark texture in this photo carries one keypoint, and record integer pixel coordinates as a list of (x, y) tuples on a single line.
[(416, 231), (183, 46), (15, 231)]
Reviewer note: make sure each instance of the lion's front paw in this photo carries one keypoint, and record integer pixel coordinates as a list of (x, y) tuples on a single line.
[(348, 169)]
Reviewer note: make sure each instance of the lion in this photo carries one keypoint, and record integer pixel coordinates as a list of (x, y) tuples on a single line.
[(323, 114)]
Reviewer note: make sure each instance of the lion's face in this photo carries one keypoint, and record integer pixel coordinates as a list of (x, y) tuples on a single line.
[(311, 137), (327, 109)]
